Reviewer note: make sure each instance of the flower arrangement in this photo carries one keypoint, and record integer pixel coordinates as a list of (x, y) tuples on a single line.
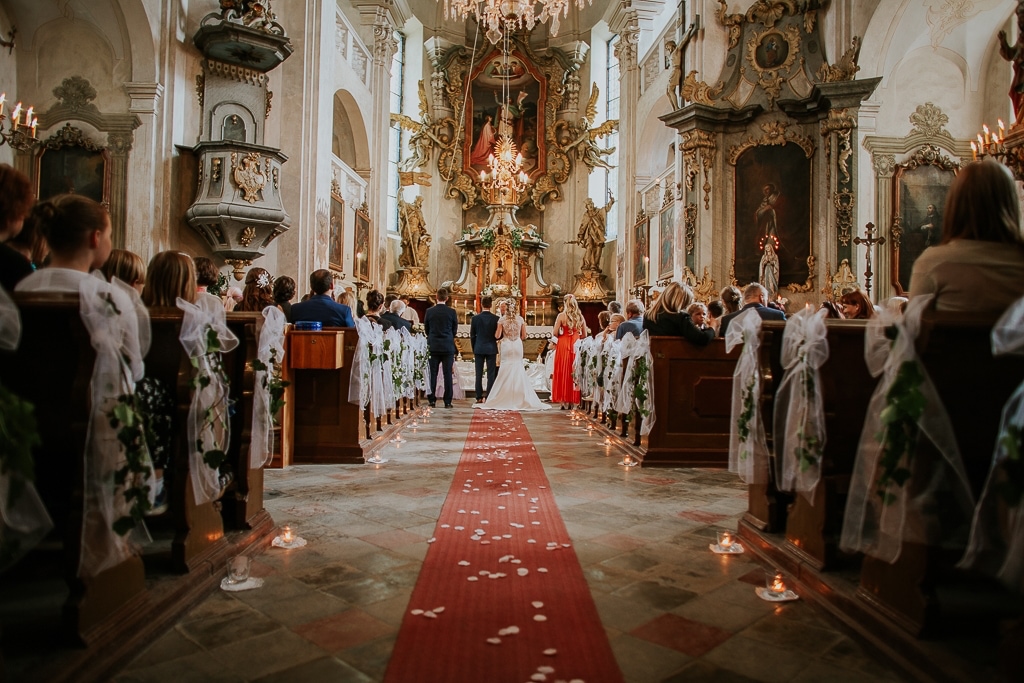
[(418, 328), (216, 456), (641, 371), (221, 288), (517, 237), (272, 381), (128, 418), (1010, 485), (487, 237), (18, 436), (743, 423), (905, 403)]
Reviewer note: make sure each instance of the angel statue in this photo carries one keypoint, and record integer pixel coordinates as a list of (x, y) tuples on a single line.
[(587, 150), (414, 231), (421, 143)]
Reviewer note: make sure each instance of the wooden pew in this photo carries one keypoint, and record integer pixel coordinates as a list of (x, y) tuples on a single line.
[(692, 403), (813, 526), (974, 386), (52, 369), (198, 529)]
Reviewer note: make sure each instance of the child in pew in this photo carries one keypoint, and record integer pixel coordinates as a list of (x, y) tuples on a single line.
[(78, 231), (171, 275), (978, 265)]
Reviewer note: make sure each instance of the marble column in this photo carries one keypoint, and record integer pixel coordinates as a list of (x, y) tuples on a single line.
[(629, 93), (384, 48), (148, 231)]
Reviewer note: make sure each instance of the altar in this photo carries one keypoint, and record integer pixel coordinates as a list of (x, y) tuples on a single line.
[(537, 337)]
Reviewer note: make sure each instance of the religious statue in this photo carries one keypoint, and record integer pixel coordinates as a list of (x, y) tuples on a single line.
[(768, 273), (767, 225), (592, 233), (414, 234), (678, 55), (587, 150), (425, 134), (1015, 54)]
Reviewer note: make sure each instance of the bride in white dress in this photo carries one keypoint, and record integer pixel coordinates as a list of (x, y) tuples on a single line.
[(512, 389)]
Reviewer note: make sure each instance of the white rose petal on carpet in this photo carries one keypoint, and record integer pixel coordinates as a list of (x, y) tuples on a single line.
[(537, 604)]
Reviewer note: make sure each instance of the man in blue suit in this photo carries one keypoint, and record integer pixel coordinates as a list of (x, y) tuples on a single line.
[(441, 323), (485, 346), (321, 307), (634, 323), (754, 296)]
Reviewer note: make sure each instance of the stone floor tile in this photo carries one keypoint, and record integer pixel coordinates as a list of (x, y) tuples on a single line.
[(266, 654), (223, 629), (323, 670), (761, 661), (171, 645), (654, 594), (685, 635), (200, 667), (642, 661), (624, 614), (721, 614), (344, 631), (821, 672), (706, 672), (792, 635)]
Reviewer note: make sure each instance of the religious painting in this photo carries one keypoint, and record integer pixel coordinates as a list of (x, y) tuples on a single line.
[(363, 256), (773, 216), (506, 97), (336, 242), (917, 213), (641, 250), (73, 169), (666, 241)]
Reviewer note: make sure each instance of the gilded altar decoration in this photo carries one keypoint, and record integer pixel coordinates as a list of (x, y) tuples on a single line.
[(775, 133), (248, 175), (247, 235), (928, 120), (843, 70), (841, 282), (694, 90), (583, 139)]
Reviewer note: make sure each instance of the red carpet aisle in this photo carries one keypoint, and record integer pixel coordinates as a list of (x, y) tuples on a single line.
[(501, 596)]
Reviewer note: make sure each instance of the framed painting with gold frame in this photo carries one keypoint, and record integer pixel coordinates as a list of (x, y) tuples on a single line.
[(919, 187), (666, 240), (362, 246), (336, 243), (641, 250)]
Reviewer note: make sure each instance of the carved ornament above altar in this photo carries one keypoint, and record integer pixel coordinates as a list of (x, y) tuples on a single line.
[(775, 133)]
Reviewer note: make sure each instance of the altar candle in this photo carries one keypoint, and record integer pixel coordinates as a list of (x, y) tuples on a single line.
[(974, 151), (998, 121), (15, 115), (984, 127), (35, 122), (3, 98)]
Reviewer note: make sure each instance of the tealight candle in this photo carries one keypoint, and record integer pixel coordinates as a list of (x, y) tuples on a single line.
[(287, 536), (725, 540), (776, 585), (607, 441)]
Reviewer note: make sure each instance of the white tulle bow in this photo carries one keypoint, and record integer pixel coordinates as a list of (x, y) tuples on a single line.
[(270, 351), (748, 449)]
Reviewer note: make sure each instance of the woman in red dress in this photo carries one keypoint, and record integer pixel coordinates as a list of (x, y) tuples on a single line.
[(569, 327)]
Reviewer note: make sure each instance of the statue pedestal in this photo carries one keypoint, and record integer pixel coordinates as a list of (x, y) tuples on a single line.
[(590, 286), (413, 282)]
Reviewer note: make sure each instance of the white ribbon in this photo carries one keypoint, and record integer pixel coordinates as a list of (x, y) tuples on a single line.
[(624, 399), (209, 428), (109, 317), (390, 346), (996, 545), (799, 421), (611, 373), (270, 352), (748, 449), (879, 518), (421, 356), (359, 377), (10, 322), (407, 354)]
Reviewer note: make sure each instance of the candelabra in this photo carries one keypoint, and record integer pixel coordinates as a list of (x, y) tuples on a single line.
[(21, 135), (1007, 149)]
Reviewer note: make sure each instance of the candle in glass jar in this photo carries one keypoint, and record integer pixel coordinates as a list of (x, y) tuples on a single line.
[(725, 541), (778, 585), (286, 534)]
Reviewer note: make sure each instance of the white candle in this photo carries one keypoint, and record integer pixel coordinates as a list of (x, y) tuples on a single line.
[(286, 534)]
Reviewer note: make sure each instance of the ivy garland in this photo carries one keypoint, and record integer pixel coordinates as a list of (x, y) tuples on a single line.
[(128, 417), (487, 237), (272, 381), (1011, 486), (18, 436), (214, 457), (905, 404), (809, 447), (639, 378), (743, 423)]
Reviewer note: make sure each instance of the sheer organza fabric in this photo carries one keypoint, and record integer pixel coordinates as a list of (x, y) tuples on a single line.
[(748, 449), (208, 426), (635, 352), (877, 524), (799, 420), (996, 545), (270, 348)]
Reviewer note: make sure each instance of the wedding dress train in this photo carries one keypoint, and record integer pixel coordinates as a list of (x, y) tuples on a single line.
[(512, 389)]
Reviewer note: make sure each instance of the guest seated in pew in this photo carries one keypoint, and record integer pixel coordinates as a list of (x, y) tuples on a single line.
[(23, 254), (258, 292), (321, 307), (207, 274), (284, 292), (978, 265), (171, 275), (78, 232), (603, 319), (394, 316), (668, 316), (615, 321), (699, 314), (634, 322), (374, 304), (232, 298), (755, 296), (856, 305), (832, 310), (126, 266), (730, 297), (897, 304), (715, 312), (16, 199), (348, 298)]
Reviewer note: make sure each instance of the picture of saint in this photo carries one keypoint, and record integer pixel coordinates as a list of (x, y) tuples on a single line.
[(666, 230), (484, 145), (772, 51), (641, 251), (921, 190)]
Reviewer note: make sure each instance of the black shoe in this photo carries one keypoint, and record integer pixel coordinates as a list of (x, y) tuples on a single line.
[(447, 405), (432, 404)]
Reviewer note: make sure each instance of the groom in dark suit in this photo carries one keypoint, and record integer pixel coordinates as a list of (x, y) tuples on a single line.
[(441, 322), (485, 346)]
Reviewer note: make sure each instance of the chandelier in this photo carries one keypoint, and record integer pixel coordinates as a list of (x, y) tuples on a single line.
[(506, 179), (501, 16)]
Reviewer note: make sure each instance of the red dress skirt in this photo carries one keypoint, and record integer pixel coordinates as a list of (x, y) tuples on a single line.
[(563, 389)]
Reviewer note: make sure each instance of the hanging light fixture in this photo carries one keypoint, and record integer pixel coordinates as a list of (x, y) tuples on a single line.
[(503, 16)]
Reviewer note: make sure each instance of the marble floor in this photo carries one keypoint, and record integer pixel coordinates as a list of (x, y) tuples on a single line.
[(673, 611)]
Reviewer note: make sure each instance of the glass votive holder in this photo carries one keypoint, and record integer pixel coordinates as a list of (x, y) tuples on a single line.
[(238, 569), (726, 540), (774, 582), (287, 535)]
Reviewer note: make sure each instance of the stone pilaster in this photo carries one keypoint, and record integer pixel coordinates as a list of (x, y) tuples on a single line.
[(384, 48), (629, 93)]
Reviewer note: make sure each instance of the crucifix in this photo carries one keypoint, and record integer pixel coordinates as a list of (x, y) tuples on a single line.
[(870, 240)]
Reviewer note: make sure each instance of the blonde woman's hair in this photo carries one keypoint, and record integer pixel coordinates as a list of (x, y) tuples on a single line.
[(574, 315), (126, 266), (347, 298), (171, 274), (675, 299)]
